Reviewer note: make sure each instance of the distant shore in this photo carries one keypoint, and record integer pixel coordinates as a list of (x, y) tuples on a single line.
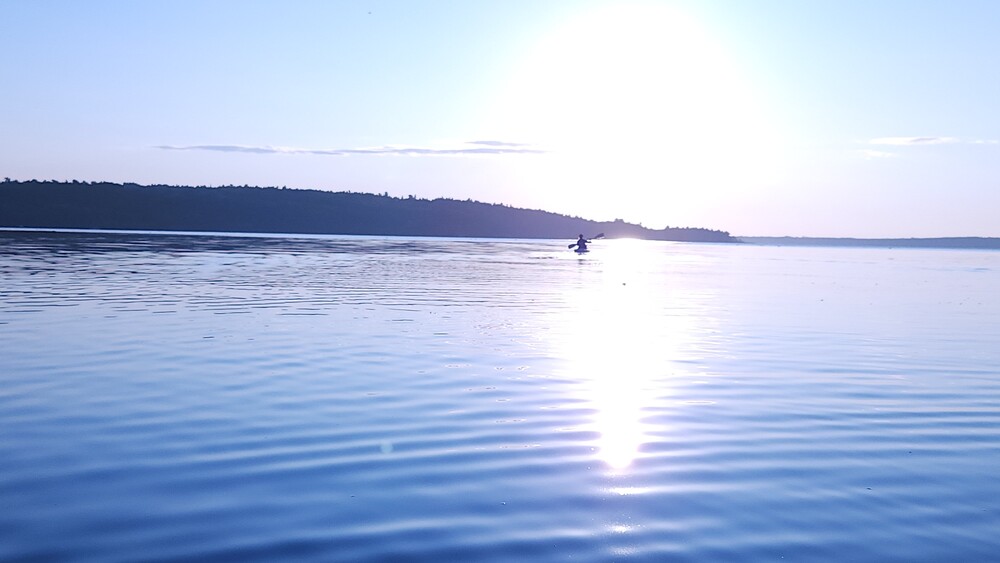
[(985, 243), (248, 209)]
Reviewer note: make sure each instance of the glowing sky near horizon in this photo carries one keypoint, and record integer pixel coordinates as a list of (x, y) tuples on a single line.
[(764, 117)]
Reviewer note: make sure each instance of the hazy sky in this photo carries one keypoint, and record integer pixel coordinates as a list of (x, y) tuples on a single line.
[(864, 118)]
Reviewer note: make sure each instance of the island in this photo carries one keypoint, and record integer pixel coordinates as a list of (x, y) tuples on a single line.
[(40, 204)]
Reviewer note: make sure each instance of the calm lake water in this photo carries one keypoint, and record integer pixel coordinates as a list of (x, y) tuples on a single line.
[(241, 398)]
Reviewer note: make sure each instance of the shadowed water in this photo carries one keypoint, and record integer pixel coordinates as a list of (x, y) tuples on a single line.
[(179, 397)]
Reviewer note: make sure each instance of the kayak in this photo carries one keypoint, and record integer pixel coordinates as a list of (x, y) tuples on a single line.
[(581, 244)]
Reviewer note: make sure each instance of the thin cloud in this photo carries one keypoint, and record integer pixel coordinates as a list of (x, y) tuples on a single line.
[(227, 148), (469, 148), (913, 141), (498, 144), (927, 141), (873, 154)]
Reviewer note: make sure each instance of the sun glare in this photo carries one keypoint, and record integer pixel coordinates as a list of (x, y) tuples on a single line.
[(632, 343), (640, 98)]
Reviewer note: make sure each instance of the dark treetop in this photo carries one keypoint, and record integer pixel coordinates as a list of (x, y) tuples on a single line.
[(83, 205)]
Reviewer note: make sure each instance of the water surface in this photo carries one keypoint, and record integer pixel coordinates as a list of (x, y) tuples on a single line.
[(178, 397)]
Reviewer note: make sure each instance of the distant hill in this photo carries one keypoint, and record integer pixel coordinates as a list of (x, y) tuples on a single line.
[(945, 242), (83, 205)]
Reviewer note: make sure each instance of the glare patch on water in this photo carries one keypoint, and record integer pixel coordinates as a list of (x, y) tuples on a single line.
[(624, 339), (627, 491)]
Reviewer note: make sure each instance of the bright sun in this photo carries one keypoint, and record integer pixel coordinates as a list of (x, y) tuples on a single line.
[(640, 109)]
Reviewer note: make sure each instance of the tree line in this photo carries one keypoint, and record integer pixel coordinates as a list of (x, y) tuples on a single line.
[(106, 205)]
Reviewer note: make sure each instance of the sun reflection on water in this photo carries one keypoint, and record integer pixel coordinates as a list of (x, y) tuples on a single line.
[(622, 334)]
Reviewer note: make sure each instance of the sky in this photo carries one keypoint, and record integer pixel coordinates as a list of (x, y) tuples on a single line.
[(831, 118)]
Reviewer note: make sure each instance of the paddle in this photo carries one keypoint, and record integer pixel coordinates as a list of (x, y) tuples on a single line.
[(598, 235)]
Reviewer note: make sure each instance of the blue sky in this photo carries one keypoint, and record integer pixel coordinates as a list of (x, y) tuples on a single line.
[(809, 118)]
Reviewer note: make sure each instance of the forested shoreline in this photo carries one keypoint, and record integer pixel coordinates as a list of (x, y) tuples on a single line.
[(106, 205)]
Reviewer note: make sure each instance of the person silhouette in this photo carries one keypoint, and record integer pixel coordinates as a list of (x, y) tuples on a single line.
[(580, 244)]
